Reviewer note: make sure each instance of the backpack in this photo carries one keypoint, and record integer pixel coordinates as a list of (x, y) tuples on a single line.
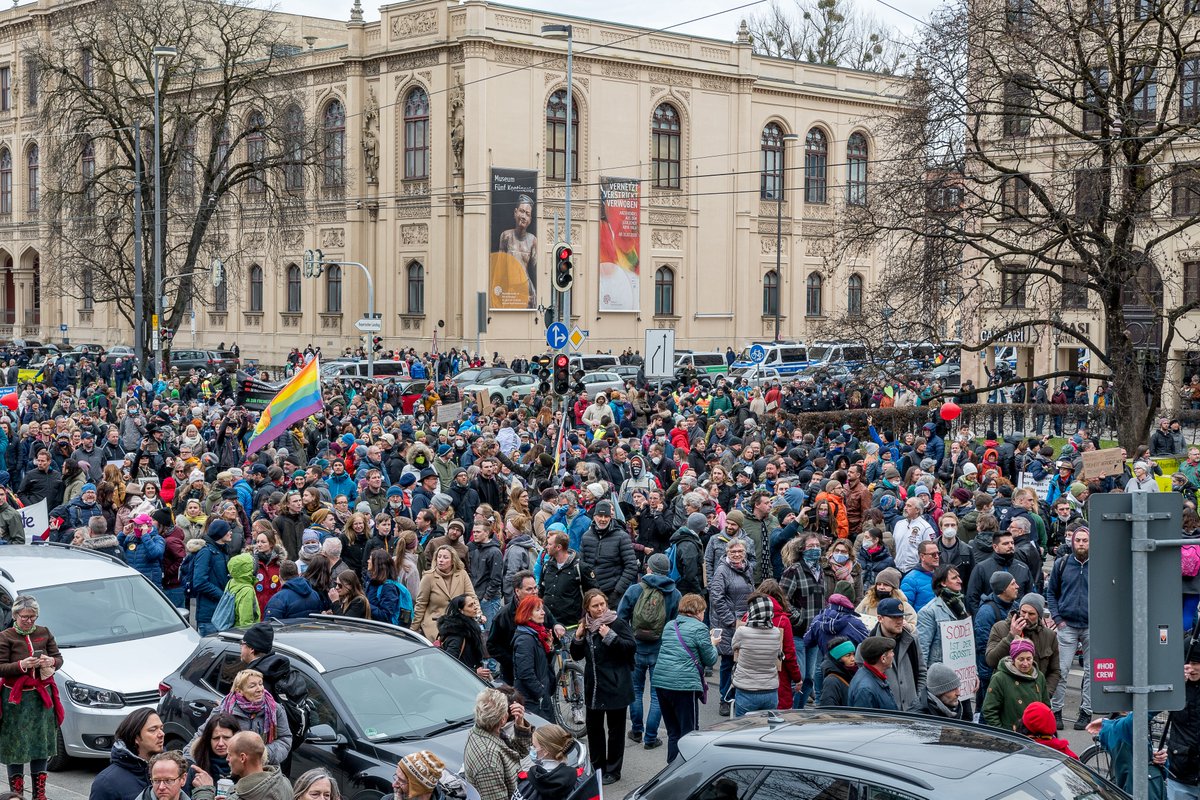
[(1190, 555), (649, 614), (404, 608), (187, 569), (292, 694), (673, 557), (226, 612)]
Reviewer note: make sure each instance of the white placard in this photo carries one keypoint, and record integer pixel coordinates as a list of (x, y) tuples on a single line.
[(958, 653)]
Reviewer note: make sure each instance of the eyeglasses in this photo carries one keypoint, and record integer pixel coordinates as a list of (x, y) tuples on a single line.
[(165, 781)]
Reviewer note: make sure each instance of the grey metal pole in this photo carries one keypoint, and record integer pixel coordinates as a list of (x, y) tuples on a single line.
[(158, 244), (370, 308), (139, 298), (565, 315), (1140, 546)]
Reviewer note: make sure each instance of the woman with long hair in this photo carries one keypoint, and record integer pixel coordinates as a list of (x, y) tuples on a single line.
[(608, 645), (839, 566), (210, 749), (320, 577), (460, 633), (550, 777), (382, 592), (354, 541), (268, 554), (348, 597), (316, 784), (446, 579), (518, 503)]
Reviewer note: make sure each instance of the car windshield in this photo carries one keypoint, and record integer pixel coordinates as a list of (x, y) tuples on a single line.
[(105, 611), (432, 698), (1068, 781), (817, 353)]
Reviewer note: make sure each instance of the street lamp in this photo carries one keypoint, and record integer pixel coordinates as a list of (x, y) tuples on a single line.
[(157, 54), (787, 137), (557, 31)]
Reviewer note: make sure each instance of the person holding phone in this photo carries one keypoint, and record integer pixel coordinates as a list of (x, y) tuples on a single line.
[(29, 657)]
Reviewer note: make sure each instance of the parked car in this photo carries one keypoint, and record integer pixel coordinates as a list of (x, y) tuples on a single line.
[(357, 370), (602, 382), (480, 375), (376, 692), (501, 388), (118, 633), (203, 360), (851, 754), (949, 374), (756, 376)]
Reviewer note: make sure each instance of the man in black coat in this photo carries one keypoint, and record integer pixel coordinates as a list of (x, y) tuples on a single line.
[(1004, 558), (608, 548), (500, 638)]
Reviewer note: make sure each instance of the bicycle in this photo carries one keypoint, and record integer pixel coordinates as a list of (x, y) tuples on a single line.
[(1099, 760), (570, 709)]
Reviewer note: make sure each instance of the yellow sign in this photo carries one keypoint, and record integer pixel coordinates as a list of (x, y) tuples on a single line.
[(576, 338)]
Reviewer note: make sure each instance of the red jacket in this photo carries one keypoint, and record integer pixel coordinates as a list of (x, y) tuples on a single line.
[(791, 672)]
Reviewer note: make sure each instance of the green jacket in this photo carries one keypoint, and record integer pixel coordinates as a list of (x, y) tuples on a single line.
[(241, 583), (12, 525), (1010, 692), (674, 668)]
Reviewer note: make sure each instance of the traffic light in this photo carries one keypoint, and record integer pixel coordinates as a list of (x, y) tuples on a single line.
[(543, 374), (377, 343), (563, 268), (562, 374)]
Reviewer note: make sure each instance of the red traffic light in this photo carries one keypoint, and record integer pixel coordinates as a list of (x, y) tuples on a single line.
[(564, 253), (560, 361)]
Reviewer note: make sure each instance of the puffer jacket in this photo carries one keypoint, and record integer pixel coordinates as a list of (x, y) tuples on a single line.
[(126, 776), (610, 553), (144, 553), (728, 594), (79, 512), (835, 619), (296, 600), (486, 567), (531, 666), (835, 689), (521, 553), (674, 668), (241, 585)]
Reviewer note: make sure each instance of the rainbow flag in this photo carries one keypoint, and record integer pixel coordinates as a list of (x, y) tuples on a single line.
[(300, 398)]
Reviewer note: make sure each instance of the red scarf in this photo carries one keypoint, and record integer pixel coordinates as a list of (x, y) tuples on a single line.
[(542, 634), (45, 689)]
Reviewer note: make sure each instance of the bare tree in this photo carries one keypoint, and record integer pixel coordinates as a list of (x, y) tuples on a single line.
[(829, 32), (238, 146)]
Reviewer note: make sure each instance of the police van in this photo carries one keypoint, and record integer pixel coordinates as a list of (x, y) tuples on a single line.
[(701, 363), (787, 358), (840, 353)]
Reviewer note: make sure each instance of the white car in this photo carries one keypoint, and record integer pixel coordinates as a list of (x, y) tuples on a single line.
[(602, 382), (756, 376), (502, 386), (118, 634)]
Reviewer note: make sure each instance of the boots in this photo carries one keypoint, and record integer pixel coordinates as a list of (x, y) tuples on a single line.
[(39, 786), (17, 783)]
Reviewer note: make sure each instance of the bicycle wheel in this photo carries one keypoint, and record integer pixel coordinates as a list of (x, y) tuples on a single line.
[(569, 708), (1098, 760)]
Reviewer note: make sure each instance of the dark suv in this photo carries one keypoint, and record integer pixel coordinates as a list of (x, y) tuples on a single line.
[(850, 754), (375, 692), (203, 360)]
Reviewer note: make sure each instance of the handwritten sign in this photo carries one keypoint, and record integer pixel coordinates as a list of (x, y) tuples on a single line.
[(958, 653), (1102, 463), (448, 412)]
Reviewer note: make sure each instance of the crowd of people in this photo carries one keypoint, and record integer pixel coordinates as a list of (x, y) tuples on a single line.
[(655, 537)]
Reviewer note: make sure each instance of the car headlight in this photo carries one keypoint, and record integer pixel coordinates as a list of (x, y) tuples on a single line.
[(85, 695)]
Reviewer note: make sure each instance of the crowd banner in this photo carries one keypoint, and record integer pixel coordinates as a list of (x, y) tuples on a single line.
[(513, 260), (37, 520), (1102, 463), (620, 244), (958, 653)]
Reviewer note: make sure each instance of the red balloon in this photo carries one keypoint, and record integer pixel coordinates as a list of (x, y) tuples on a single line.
[(9, 401), (950, 411)]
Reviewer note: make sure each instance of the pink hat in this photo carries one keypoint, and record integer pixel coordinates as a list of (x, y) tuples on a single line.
[(1019, 646), (143, 519)]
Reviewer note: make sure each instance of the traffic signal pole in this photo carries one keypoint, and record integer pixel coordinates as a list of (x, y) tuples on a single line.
[(370, 308)]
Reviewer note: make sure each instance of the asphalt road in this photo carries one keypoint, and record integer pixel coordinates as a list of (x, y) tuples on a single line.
[(640, 764)]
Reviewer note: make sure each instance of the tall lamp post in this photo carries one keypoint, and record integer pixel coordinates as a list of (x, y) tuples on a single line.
[(555, 31), (159, 53), (787, 138)]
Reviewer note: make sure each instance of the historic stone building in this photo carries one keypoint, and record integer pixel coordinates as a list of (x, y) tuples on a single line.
[(449, 120)]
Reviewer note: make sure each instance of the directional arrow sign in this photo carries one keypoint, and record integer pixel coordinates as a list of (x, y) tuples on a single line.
[(369, 325), (556, 336)]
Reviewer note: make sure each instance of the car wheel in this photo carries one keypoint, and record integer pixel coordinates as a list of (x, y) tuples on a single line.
[(498, 398), (60, 760)]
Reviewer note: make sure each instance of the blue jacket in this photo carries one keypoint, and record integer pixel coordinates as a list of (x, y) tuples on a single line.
[(989, 613), (580, 524), (891, 447), (935, 448), (209, 576), (384, 599), (125, 777), (628, 600), (531, 666), (343, 484), (834, 620), (1067, 591), (917, 587), (779, 538), (296, 599), (245, 493), (78, 513), (868, 690), (674, 668), (145, 553)]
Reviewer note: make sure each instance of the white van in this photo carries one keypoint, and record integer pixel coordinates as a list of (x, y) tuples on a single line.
[(786, 357), (593, 363), (702, 363)]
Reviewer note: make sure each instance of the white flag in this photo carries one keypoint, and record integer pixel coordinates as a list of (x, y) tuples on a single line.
[(36, 519)]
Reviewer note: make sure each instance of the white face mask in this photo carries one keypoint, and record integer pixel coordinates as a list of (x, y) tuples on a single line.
[(950, 532)]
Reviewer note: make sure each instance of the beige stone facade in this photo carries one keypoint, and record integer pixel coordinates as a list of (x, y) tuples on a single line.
[(419, 216)]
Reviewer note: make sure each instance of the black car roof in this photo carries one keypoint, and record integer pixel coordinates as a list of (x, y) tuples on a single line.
[(334, 643)]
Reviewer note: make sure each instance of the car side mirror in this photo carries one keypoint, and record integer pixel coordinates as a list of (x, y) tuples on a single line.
[(325, 734)]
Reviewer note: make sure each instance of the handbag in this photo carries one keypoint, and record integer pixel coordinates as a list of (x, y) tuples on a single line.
[(695, 661)]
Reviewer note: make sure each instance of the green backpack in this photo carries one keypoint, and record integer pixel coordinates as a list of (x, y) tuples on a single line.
[(649, 614)]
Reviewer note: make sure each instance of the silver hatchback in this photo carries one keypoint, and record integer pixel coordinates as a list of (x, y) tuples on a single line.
[(119, 637)]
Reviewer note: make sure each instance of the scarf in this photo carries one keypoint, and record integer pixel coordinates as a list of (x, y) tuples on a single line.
[(542, 634), (267, 705), (26, 632), (954, 602), (594, 623), (46, 690), (843, 572)]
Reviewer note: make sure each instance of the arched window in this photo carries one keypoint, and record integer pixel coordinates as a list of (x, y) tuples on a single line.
[(87, 287), (856, 170), (223, 145), (665, 152), (256, 151), (293, 289), (816, 166), (33, 177), (664, 292), (854, 295), (6, 184), (416, 134), (333, 290), (416, 288), (293, 148), (770, 303), (556, 137), (256, 288), (87, 167), (333, 124), (812, 295), (771, 180), (221, 297), (37, 290)]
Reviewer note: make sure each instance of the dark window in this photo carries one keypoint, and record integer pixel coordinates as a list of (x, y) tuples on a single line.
[(1074, 288), (816, 166), (1019, 15), (770, 303), (6, 181), (256, 288), (416, 288), (733, 784), (223, 145), (87, 287), (33, 177), (1018, 104), (37, 290), (1015, 198), (856, 170), (1191, 282), (1145, 94), (1012, 290), (854, 295), (788, 785), (1098, 11), (812, 294), (1095, 101), (221, 297), (886, 793), (334, 126), (664, 291), (1090, 185), (416, 134), (556, 137), (85, 68), (665, 147), (1144, 9), (1185, 191), (293, 148), (1189, 90), (1139, 189), (185, 184), (771, 180), (293, 289), (333, 290), (31, 83), (256, 151), (5, 88), (87, 164)]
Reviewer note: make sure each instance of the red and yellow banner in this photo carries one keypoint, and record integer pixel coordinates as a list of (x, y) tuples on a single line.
[(620, 242)]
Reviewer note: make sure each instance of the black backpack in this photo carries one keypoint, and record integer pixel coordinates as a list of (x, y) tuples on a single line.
[(292, 694)]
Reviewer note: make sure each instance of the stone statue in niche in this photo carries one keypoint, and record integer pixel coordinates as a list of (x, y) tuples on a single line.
[(458, 130), (371, 137)]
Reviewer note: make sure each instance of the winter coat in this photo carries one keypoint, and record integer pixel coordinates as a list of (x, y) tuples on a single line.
[(384, 600), (610, 554), (210, 573), (929, 629), (674, 668), (990, 612), (834, 620), (295, 600), (269, 784), (144, 553), (532, 676), (434, 596), (981, 577), (873, 564), (459, 641), (562, 587), (835, 689), (831, 581), (689, 561), (521, 553), (79, 512), (906, 676), (125, 777), (760, 532), (1009, 692), (492, 763), (671, 598), (714, 551), (608, 673), (267, 582), (757, 651), (278, 747), (547, 781), (241, 584), (1045, 649), (918, 588), (1067, 591), (108, 544), (868, 690), (1183, 742), (728, 594), (935, 708), (290, 528), (486, 567)]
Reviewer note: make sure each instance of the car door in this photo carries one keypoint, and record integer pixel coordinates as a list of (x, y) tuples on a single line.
[(732, 784), (788, 784), (342, 758)]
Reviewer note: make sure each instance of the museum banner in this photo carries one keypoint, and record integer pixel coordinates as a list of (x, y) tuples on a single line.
[(513, 257), (620, 241)]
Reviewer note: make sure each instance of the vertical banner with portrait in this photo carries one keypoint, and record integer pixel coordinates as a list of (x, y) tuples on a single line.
[(620, 241), (513, 245)]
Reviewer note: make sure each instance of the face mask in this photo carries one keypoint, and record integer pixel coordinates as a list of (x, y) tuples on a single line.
[(508, 730), (812, 555), (822, 514), (657, 459), (636, 470), (991, 490), (950, 532), (839, 558)]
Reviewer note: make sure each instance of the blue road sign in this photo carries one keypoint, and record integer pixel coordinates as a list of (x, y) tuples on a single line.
[(556, 336), (758, 354)]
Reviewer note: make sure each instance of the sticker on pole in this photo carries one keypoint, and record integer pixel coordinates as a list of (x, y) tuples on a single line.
[(1104, 670)]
